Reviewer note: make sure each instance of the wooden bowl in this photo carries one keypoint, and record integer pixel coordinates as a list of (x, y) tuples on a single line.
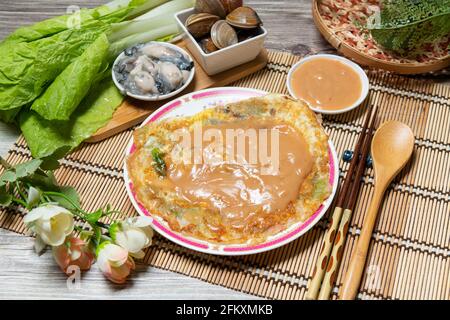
[(367, 60)]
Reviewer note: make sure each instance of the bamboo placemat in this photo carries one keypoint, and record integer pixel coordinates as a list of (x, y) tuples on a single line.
[(409, 256)]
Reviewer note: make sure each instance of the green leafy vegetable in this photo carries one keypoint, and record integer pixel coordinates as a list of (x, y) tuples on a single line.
[(406, 25), (44, 137), (112, 12), (8, 116), (52, 162), (158, 162), (65, 93), (50, 27), (26, 69), (51, 72), (32, 57)]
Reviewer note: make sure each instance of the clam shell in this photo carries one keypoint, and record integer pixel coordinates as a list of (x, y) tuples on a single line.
[(214, 7), (208, 45), (199, 24), (244, 18), (231, 5), (223, 35)]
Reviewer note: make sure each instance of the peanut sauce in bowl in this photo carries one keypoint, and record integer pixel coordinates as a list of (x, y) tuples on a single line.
[(328, 84)]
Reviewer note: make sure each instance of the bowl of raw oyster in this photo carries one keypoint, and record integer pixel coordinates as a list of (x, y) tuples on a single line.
[(153, 71)]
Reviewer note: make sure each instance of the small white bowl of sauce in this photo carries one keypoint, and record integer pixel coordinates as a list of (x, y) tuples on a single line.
[(328, 83)]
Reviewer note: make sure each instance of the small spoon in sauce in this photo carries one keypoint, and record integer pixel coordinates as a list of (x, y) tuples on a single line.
[(392, 147)]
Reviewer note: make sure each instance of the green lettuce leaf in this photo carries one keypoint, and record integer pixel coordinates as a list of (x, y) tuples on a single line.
[(71, 86), (44, 137), (50, 27), (9, 116), (82, 18), (26, 69), (33, 56)]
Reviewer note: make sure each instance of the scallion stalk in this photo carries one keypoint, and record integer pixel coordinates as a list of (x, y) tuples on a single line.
[(142, 6), (125, 29), (117, 47), (170, 7), (156, 18)]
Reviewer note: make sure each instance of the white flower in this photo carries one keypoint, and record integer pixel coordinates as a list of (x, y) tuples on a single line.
[(33, 196), (133, 234), (51, 223), (114, 262)]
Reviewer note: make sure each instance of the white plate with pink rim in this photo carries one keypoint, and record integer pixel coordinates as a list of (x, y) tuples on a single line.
[(189, 105)]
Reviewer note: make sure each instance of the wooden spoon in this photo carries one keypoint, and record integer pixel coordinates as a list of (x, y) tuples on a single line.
[(392, 147)]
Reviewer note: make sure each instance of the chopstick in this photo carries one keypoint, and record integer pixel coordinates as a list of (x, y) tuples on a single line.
[(340, 239), (327, 265)]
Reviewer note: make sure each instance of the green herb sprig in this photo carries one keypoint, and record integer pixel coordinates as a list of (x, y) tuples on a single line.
[(32, 184)]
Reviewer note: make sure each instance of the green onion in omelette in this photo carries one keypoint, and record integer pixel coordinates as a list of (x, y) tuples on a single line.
[(158, 162)]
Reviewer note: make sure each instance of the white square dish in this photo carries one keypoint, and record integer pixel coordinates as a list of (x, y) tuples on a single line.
[(224, 59)]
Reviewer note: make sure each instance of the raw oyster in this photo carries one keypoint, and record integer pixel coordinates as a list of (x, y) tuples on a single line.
[(152, 69)]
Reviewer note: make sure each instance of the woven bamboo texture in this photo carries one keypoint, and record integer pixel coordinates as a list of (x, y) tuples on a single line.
[(409, 256)]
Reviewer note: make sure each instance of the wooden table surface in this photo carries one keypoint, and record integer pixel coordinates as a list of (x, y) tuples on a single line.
[(25, 275)]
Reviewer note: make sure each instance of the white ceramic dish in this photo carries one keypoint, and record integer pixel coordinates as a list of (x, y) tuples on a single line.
[(192, 104), (224, 59), (155, 97), (354, 66)]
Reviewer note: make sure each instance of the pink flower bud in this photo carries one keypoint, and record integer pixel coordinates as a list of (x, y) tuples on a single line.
[(73, 251), (114, 262)]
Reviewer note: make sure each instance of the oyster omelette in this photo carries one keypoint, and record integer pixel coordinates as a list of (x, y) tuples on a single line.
[(220, 186)]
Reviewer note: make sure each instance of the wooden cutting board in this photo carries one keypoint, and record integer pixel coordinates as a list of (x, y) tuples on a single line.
[(133, 112)]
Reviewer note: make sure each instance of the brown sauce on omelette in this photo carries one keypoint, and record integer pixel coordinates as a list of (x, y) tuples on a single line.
[(246, 168)]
